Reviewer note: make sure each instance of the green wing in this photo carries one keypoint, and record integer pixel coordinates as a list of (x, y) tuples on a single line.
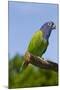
[(38, 44)]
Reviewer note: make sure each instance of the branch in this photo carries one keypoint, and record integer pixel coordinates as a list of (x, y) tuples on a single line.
[(39, 62)]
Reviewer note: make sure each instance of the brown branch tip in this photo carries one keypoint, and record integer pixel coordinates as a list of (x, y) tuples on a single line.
[(40, 62)]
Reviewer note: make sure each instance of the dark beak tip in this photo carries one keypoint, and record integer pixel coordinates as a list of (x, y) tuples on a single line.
[(54, 26)]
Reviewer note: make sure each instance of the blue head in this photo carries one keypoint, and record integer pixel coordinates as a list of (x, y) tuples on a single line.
[(47, 28)]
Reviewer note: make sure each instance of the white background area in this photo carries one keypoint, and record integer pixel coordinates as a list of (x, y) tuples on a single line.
[(4, 44)]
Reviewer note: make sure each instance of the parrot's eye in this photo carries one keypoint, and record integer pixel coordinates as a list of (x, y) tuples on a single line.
[(49, 24)]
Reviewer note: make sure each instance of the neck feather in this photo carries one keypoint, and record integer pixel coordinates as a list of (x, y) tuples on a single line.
[(46, 33)]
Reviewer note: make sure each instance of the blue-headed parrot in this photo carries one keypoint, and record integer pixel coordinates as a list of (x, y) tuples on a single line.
[(40, 40)]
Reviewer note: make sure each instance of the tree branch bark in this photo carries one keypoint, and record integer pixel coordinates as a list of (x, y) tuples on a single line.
[(40, 62)]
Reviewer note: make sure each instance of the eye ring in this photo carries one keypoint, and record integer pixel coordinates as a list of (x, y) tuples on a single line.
[(49, 24)]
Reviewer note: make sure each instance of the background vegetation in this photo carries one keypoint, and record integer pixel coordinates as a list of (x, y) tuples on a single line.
[(30, 77)]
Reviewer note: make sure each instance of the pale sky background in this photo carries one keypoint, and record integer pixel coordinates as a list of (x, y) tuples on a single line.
[(24, 20)]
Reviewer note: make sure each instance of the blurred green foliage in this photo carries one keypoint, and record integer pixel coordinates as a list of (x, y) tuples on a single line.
[(31, 77)]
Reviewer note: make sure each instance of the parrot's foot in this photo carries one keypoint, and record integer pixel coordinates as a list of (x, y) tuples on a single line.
[(41, 58)]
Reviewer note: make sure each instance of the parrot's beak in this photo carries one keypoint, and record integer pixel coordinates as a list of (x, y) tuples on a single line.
[(54, 26)]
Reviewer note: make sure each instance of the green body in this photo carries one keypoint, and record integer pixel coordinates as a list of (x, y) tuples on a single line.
[(38, 44)]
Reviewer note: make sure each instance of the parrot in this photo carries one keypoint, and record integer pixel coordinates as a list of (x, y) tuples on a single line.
[(40, 40)]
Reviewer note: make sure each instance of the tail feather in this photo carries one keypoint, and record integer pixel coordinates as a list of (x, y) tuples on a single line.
[(24, 66)]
